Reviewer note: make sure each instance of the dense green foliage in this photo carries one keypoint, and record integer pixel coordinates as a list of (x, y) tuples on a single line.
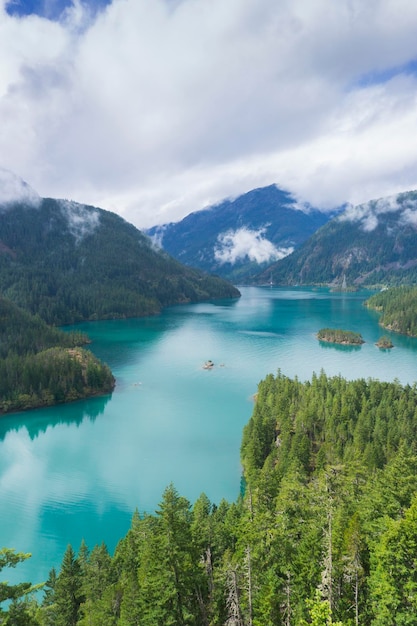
[(337, 335), (398, 306), (268, 210), (40, 365), (50, 377), (325, 533), (22, 333), (377, 247), (67, 262)]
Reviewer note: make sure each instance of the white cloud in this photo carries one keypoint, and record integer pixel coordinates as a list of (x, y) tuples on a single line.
[(409, 216), (14, 189), (237, 245), (368, 212), (82, 221), (153, 108)]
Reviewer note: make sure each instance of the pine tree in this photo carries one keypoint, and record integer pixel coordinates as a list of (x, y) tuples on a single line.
[(18, 610), (68, 591)]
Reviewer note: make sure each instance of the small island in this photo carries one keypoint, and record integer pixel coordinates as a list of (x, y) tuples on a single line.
[(384, 343), (337, 335)]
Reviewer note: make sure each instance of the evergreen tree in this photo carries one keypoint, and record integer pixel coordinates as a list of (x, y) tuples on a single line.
[(68, 590), (393, 579), (22, 611), (169, 576)]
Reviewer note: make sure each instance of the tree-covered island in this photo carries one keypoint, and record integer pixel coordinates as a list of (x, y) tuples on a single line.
[(337, 335), (398, 308)]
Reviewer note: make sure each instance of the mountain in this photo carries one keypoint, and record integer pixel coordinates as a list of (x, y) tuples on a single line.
[(237, 238), (371, 244), (69, 262)]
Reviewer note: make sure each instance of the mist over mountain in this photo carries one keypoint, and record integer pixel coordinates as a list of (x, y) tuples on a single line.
[(237, 238), (68, 262), (374, 243)]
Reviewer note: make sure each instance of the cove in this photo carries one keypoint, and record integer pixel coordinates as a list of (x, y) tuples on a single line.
[(79, 470)]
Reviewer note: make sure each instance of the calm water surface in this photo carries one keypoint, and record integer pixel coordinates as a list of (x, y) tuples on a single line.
[(79, 470)]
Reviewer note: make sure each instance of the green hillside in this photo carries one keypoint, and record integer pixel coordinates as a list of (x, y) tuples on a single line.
[(371, 244), (68, 262)]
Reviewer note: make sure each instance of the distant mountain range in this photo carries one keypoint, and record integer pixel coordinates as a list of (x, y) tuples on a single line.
[(371, 244), (265, 236), (237, 238), (68, 262)]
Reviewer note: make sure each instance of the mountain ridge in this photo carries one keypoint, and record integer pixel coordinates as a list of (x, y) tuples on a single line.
[(69, 262), (238, 237), (374, 243)]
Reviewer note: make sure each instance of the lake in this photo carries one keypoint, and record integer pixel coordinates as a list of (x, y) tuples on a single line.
[(79, 470)]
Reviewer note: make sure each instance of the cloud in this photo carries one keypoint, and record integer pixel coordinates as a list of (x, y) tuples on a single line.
[(156, 108), (237, 245), (82, 221), (409, 216), (14, 189), (368, 212)]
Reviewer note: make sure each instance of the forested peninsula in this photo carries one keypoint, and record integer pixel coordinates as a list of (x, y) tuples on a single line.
[(323, 533), (41, 365), (398, 308)]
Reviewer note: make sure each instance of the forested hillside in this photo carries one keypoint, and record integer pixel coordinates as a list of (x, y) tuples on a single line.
[(68, 262), (40, 365), (370, 244), (398, 307), (325, 532)]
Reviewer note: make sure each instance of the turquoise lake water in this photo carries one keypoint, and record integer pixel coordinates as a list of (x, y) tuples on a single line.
[(80, 470)]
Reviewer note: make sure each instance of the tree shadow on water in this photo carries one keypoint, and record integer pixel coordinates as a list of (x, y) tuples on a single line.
[(37, 421)]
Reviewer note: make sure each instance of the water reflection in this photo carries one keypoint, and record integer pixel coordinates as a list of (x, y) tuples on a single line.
[(38, 421), (340, 347)]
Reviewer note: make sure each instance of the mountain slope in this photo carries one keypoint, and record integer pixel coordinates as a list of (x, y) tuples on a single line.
[(69, 262), (236, 238), (370, 244)]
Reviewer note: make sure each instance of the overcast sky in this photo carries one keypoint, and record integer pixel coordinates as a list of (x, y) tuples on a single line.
[(156, 108)]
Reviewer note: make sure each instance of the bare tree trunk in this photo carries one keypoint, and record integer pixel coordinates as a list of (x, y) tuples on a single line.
[(233, 600), (249, 577)]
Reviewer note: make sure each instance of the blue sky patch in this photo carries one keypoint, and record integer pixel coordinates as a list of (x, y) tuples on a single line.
[(378, 78), (49, 9)]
